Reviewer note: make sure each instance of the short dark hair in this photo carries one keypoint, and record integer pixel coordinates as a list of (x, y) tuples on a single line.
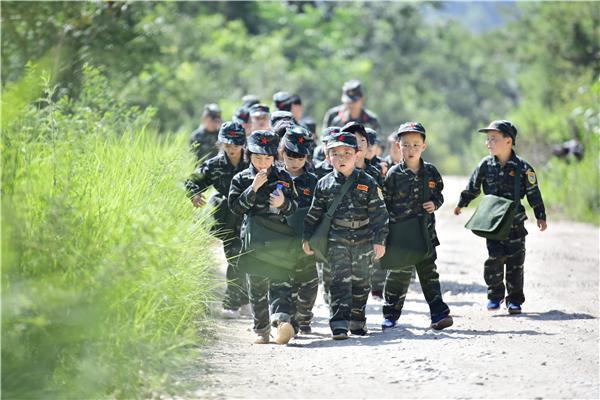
[(293, 154)]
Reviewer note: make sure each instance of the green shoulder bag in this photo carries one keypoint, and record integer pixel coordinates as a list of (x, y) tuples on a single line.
[(493, 217)]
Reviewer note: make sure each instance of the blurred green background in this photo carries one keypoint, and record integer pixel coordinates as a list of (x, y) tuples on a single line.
[(98, 101)]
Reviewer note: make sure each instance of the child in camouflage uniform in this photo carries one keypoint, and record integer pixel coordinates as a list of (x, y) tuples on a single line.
[(357, 234), (218, 172), (306, 282), (496, 173), (405, 198), (264, 189)]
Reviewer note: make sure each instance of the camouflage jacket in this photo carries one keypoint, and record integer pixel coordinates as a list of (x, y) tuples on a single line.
[(217, 171), (374, 172), (322, 168), (363, 201), (305, 187), (339, 116), (319, 153), (203, 143), (499, 180), (243, 200), (405, 192)]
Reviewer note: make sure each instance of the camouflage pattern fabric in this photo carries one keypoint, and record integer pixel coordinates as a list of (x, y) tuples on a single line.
[(204, 143), (340, 116)]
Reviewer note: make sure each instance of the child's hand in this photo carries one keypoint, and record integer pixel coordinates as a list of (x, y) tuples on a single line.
[(429, 207), (259, 179), (379, 251), (276, 199), (198, 200), (541, 223), (457, 211), (306, 248)]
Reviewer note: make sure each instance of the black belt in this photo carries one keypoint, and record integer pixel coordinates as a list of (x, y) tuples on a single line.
[(351, 224)]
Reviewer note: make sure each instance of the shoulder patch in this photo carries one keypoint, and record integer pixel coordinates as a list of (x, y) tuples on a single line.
[(531, 177), (362, 187), (284, 184), (431, 184)]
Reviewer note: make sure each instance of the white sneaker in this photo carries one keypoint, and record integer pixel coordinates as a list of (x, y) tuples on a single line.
[(230, 314), (246, 311), (285, 332)]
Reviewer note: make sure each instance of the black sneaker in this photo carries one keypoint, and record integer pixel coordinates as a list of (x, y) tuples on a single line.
[(359, 332), (514, 308), (339, 334), (305, 329)]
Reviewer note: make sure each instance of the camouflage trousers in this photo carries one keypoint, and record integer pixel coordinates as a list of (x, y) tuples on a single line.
[(236, 292), (276, 293), (509, 253), (378, 276), (350, 286), (397, 283), (304, 290)]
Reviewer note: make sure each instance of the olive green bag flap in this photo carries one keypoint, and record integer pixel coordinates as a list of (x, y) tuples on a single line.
[(408, 243), (296, 221), (493, 217), (269, 247), (319, 241)]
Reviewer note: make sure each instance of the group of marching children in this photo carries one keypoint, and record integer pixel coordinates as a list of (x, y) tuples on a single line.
[(269, 172)]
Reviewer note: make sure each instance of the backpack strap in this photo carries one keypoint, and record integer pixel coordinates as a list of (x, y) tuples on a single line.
[(338, 198)]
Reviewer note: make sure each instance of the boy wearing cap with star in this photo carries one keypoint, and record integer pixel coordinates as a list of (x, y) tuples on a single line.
[(357, 234), (218, 172), (306, 281), (496, 175), (413, 188)]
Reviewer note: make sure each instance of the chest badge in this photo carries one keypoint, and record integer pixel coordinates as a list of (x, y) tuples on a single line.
[(431, 184), (306, 192), (364, 188), (284, 184)]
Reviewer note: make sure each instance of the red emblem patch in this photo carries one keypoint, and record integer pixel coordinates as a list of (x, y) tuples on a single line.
[(431, 184), (284, 184), (263, 140), (306, 192), (364, 188), (300, 140)]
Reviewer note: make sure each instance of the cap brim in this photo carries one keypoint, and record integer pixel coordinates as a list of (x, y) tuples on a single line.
[(238, 142), (271, 151), (296, 148), (409, 131), (349, 99), (485, 130), (332, 144)]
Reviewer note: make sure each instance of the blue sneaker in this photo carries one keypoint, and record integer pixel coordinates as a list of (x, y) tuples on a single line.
[(514, 308), (387, 324), (494, 305)]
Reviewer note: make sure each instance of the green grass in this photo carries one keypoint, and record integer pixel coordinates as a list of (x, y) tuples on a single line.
[(106, 272)]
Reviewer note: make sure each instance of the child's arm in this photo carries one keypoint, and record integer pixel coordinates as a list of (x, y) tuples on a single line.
[(289, 205), (534, 196), (378, 219), (436, 185), (198, 182), (473, 188), (241, 198), (313, 217)]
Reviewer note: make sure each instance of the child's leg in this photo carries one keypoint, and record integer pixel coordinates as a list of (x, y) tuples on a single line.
[(325, 270), (377, 279), (280, 293), (514, 270), (395, 289), (362, 263), (430, 284), (340, 261), (307, 284), (236, 292), (258, 289), (493, 270)]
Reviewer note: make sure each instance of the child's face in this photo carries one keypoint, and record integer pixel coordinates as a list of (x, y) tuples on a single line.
[(412, 146), (261, 161), (497, 144), (363, 144), (260, 122), (232, 150), (342, 158), (292, 164)]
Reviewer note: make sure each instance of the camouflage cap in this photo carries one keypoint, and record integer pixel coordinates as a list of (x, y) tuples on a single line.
[(503, 126), (356, 128), (327, 132), (342, 139), (295, 99), (297, 139), (411, 127), (351, 91), (282, 101), (249, 100), (371, 136), (281, 127), (279, 115), (232, 133), (263, 142), (241, 115), (259, 109), (211, 110)]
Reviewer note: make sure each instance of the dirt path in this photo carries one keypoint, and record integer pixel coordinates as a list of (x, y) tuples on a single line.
[(550, 351)]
